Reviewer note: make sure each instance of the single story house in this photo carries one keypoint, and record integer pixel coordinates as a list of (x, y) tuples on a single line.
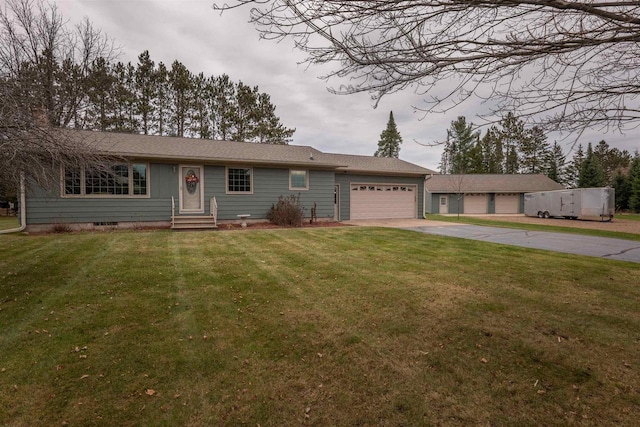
[(482, 193), (164, 181)]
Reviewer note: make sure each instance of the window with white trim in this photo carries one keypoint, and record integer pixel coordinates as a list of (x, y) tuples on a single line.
[(239, 180), (298, 179), (116, 180)]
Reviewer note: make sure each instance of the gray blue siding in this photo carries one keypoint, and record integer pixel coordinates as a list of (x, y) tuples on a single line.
[(268, 184)]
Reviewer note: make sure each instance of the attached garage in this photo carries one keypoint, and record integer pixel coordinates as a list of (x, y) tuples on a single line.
[(376, 201), (475, 203), (507, 203)]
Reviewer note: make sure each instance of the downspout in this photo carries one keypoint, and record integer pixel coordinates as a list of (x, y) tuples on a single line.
[(424, 195), (23, 209)]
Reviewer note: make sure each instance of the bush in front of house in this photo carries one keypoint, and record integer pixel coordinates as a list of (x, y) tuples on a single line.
[(287, 212)]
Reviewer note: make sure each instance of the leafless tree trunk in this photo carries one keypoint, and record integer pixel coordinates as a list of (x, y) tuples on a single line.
[(562, 64), (43, 65), (29, 144)]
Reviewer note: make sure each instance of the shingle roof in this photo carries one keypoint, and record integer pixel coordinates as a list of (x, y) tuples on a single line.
[(210, 151), (489, 183), (191, 149), (364, 164)]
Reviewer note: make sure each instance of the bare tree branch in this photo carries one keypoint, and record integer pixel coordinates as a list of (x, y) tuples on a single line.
[(564, 64)]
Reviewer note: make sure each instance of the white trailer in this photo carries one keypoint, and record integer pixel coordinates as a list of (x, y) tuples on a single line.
[(583, 203)]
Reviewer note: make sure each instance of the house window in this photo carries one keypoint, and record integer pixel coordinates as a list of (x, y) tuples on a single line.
[(120, 180), (72, 182), (239, 180), (298, 180), (443, 201), (139, 178), (114, 181)]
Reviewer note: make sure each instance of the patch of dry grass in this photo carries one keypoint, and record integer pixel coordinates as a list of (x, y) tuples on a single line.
[(343, 326)]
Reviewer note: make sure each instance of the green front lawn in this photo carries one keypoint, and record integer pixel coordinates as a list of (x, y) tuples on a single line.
[(7, 222), (331, 326)]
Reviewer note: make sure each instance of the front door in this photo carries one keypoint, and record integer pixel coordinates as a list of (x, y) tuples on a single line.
[(191, 189)]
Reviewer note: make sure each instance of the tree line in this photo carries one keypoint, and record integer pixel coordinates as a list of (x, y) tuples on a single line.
[(68, 76), (72, 75), (509, 147), (153, 99)]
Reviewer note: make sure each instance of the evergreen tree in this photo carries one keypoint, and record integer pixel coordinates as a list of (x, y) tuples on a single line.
[(513, 136), (390, 140), (124, 117), (634, 179), (461, 139), (534, 151), (622, 185), (475, 162), (611, 159), (573, 171), (100, 88), (145, 79), (180, 85), (268, 128), (591, 174), (492, 151), (243, 121), (161, 103), (224, 106), (200, 123), (555, 164)]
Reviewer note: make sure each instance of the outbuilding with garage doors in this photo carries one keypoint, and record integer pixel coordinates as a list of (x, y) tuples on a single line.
[(483, 193)]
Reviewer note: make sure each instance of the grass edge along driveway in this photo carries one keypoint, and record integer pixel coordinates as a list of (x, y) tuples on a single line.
[(342, 326)]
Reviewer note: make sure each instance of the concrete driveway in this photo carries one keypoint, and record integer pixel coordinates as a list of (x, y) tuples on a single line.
[(602, 247)]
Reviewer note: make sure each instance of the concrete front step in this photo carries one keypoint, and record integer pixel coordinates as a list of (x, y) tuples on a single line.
[(194, 223)]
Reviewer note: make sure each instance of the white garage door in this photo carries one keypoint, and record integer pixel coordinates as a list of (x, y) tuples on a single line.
[(507, 203), (475, 203), (375, 201)]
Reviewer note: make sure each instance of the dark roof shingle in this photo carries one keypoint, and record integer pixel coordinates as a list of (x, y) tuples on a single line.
[(490, 183), (214, 151)]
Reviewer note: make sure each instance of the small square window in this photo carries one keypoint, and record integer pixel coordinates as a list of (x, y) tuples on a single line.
[(239, 180), (298, 180)]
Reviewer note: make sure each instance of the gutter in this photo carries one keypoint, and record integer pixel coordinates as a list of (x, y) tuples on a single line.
[(23, 209)]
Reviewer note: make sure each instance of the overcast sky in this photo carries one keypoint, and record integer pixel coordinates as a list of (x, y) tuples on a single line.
[(191, 32)]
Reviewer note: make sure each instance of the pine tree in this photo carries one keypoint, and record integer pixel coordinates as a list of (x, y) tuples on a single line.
[(161, 103), (390, 140), (513, 135), (268, 129), (573, 170), (461, 139), (200, 123), (634, 178), (145, 78), (622, 184), (534, 151), (244, 119), (591, 174), (180, 85), (556, 164), (100, 91), (224, 106), (492, 151)]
